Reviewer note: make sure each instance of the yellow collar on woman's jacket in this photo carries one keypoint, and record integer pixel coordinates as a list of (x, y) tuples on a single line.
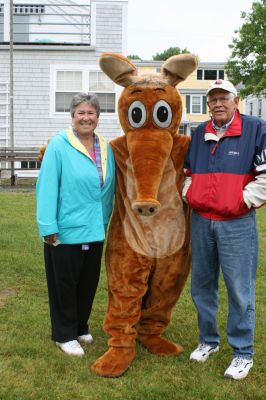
[(74, 141)]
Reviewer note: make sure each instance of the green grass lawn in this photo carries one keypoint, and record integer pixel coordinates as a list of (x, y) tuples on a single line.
[(31, 367)]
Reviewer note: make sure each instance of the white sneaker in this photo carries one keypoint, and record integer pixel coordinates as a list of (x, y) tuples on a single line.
[(202, 352), (239, 368), (72, 347), (87, 338)]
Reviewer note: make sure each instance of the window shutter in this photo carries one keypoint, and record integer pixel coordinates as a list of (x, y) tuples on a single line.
[(188, 104), (221, 74), (199, 74), (204, 105)]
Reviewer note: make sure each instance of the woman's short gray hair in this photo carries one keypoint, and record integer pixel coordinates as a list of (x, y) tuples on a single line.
[(89, 98)]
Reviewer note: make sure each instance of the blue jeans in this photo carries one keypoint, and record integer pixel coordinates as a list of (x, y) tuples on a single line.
[(232, 246)]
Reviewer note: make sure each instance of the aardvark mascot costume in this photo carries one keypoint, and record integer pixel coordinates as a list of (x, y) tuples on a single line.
[(148, 250)]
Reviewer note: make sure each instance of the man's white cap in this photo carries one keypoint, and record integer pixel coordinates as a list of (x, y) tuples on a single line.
[(224, 85)]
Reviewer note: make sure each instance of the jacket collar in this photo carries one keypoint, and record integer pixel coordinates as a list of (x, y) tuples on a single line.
[(74, 141)]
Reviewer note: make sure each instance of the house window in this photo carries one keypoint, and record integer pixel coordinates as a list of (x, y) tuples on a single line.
[(250, 108), (210, 74), (196, 104), (70, 82), (182, 129), (260, 108), (30, 164), (102, 86)]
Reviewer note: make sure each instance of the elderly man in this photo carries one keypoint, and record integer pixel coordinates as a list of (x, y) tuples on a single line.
[(225, 182)]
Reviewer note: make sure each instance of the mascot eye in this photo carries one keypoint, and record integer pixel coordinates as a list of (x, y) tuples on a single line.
[(162, 114), (137, 114)]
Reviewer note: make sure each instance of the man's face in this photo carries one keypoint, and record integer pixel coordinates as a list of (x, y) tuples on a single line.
[(222, 105)]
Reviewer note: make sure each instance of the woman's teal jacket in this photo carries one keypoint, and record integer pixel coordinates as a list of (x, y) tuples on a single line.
[(70, 199)]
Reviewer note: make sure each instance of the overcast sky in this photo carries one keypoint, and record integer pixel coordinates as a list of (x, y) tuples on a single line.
[(204, 27)]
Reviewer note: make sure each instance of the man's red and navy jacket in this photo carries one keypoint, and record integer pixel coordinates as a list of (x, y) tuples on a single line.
[(220, 169)]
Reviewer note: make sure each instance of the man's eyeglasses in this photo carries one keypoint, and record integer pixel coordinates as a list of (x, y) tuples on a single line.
[(223, 99)]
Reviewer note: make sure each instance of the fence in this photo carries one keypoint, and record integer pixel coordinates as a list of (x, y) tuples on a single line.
[(10, 157)]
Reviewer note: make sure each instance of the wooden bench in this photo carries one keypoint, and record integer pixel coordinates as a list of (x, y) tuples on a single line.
[(11, 155)]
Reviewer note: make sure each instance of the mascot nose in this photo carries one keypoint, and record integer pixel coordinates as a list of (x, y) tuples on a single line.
[(146, 209)]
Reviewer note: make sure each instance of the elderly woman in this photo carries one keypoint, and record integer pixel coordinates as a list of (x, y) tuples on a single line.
[(75, 190)]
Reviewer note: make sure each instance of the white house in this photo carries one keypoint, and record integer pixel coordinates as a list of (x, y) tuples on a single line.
[(255, 105), (56, 48)]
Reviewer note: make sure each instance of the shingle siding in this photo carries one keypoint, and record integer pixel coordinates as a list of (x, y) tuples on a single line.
[(109, 28)]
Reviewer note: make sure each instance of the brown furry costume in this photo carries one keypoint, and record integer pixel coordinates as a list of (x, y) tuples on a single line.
[(148, 251)]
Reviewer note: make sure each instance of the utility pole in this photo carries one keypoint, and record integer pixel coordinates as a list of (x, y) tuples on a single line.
[(11, 89)]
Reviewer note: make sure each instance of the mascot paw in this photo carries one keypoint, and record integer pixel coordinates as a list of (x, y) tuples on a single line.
[(114, 362), (160, 346), (41, 152)]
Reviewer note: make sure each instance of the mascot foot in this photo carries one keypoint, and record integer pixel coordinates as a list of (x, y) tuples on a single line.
[(160, 346), (114, 362)]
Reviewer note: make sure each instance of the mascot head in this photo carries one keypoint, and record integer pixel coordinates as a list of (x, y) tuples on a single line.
[(150, 111)]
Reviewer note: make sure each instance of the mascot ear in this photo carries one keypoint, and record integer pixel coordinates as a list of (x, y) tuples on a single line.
[(118, 68), (177, 68)]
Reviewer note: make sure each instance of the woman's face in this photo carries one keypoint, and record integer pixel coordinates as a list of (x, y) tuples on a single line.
[(85, 119)]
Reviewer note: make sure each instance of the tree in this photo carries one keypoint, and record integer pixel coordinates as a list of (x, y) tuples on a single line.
[(247, 63), (134, 57), (172, 51)]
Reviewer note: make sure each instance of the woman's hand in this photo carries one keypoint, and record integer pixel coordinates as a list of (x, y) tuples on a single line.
[(50, 239)]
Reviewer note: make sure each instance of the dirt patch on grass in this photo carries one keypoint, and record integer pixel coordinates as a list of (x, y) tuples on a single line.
[(5, 294)]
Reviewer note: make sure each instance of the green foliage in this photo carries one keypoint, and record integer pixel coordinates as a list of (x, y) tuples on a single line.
[(172, 51), (247, 63), (32, 367), (134, 57)]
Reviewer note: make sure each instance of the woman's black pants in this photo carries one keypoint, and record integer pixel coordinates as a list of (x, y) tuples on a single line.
[(72, 275)]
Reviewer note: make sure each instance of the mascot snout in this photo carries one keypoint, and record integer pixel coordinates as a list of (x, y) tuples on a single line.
[(146, 208), (149, 151)]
